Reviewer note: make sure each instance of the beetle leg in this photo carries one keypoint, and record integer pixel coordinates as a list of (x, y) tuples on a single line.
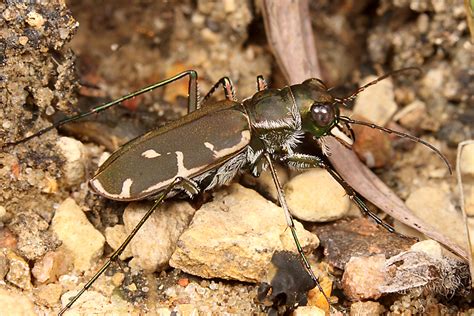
[(290, 223), (261, 83), (177, 182), (302, 161), (192, 103), (228, 87)]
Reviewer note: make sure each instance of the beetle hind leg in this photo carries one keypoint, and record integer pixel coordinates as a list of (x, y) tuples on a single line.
[(177, 183)]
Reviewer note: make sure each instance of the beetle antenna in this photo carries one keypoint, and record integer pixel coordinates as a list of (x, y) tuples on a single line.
[(400, 134), (360, 89)]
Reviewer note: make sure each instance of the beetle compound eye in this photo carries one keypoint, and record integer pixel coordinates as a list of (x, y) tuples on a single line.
[(322, 114)]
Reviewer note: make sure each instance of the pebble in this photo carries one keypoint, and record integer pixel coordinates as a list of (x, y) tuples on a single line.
[(74, 168), (3, 265), (367, 308), (51, 266), (79, 237), (377, 105), (94, 303), (35, 19), (308, 311), (155, 242), (264, 183), (434, 206), (34, 238), (467, 160), (430, 247), (411, 115), (235, 235), (187, 310), (3, 213), (363, 276), (316, 197), (115, 236), (117, 279), (18, 270), (49, 293), (16, 302), (372, 146)]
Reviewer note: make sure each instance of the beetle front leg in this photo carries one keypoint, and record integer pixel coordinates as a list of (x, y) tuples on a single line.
[(302, 161), (290, 223)]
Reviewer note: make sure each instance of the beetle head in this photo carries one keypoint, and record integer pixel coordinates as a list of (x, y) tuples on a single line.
[(320, 117)]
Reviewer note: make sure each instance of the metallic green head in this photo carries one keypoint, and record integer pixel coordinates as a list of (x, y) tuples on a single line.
[(319, 110)]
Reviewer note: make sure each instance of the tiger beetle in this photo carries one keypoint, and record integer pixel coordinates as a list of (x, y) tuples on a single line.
[(223, 138)]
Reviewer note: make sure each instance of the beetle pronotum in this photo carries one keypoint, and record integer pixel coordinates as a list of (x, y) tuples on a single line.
[(263, 128)]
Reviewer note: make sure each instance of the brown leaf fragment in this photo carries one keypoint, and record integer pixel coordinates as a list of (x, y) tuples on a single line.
[(414, 269), (357, 238)]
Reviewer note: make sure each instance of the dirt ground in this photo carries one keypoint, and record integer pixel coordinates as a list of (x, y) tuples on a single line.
[(59, 59)]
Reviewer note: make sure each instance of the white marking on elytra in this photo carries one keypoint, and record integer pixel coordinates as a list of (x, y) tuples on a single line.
[(209, 145), (244, 140), (126, 188), (182, 172), (124, 194), (188, 173), (150, 153)]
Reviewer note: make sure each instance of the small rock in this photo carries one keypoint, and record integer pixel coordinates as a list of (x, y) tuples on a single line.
[(115, 236), (3, 213), (467, 160), (187, 310), (3, 265), (360, 237), (411, 115), (18, 270), (7, 239), (16, 303), (308, 311), (434, 205), (377, 104), (35, 19), (34, 238), (49, 293), (79, 237), (366, 309), (372, 146), (264, 183), (155, 242), (363, 276), (316, 197), (117, 279), (74, 168), (183, 282), (51, 266), (235, 235), (430, 247), (94, 303)]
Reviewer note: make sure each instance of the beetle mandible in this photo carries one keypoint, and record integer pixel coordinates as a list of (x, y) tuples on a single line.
[(251, 135)]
